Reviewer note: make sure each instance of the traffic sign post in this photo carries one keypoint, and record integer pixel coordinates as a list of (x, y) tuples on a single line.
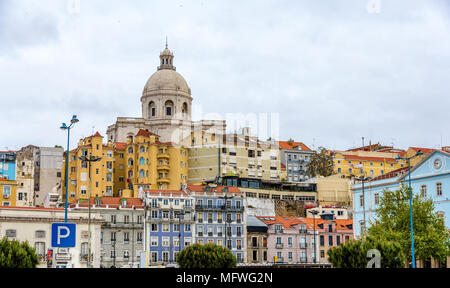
[(63, 235)]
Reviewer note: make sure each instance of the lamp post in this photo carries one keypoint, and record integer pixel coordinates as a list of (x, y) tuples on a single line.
[(314, 212), (65, 127), (363, 178), (89, 160), (179, 232), (410, 202)]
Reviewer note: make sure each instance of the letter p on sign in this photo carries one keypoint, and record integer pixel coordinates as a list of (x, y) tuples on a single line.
[(63, 235)]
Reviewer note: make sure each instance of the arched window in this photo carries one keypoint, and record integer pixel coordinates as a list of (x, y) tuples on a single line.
[(142, 173), (184, 110), (130, 161), (142, 161), (130, 150), (152, 109), (142, 149), (169, 108)]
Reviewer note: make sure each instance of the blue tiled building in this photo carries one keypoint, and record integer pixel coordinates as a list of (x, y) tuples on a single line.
[(430, 178), (219, 218), (169, 224)]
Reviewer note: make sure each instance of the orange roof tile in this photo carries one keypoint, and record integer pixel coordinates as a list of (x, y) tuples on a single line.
[(174, 193), (294, 145), (424, 150), (120, 145)]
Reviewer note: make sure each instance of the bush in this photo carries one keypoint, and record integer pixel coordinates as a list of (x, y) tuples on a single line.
[(15, 254), (206, 256), (353, 254)]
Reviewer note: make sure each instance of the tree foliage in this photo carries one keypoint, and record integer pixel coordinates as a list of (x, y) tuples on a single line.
[(321, 163), (15, 254), (206, 256), (353, 254), (431, 237)]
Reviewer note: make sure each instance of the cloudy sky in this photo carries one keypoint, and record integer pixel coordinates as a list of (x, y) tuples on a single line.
[(330, 71)]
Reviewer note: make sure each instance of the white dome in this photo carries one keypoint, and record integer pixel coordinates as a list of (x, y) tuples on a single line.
[(166, 79)]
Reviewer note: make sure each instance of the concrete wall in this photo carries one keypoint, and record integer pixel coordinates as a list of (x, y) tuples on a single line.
[(260, 207)]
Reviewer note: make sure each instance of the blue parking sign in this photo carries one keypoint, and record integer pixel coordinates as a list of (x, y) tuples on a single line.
[(63, 234)]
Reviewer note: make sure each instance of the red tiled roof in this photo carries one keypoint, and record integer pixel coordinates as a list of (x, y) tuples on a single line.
[(424, 150), (392, 174), (144, 133), (366, 148), (120, 145), (283, 166), (31, 208), (287, 222), (287, 145), (201, 188), (364, 158)]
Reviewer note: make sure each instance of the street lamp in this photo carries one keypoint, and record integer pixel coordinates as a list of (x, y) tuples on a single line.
[(65, 127), (179, 232), (89, 160), (410, 202), (314, 212), (363, 178)]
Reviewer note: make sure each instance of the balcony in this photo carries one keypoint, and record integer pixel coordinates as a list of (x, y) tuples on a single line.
[(303, 245), (219, 208), (278, 231), (122, 225), (279, 245), (163, 155), (303, 259), (163, 180), (163, 167)]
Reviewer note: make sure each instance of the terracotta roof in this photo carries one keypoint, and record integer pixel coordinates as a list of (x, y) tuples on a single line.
[(32, 208), (294, 145), (391, 174), (424, 150), (120, 145), (366, 148), (287, 222), (201, 188), (364, 158), (283, 166), (144, 133)]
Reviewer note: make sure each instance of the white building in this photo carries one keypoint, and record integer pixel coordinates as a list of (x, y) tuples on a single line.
[(34, 225)]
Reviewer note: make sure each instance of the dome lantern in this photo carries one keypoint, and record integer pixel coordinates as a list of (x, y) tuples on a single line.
[(166, 59)]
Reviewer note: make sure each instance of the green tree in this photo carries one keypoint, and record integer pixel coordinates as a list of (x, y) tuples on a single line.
[(431, 237), (15, 254), (353, 254), (206, 256), (321, 163)]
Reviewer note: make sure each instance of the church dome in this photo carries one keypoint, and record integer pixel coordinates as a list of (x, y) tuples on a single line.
[(167, 79)]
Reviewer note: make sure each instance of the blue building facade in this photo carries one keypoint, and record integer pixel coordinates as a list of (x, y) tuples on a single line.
[(8, 165), (430, 178), (169, 224), (219, 218)]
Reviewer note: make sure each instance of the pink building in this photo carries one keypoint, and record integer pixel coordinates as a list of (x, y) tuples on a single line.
[(290, 240)]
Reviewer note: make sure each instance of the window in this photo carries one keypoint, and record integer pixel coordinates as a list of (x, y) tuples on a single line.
[(126, 237), (290, 242), (154, 241), (322, 240), (165, 241), (40, 234), (84, 252), (113, 219), (423, 191), (377, 199), (330, 240), (438, 189), (126, 255)]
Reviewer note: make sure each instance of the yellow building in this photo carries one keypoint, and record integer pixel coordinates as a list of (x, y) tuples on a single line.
[(101, 172), (413, 151), (367, 163), (143, 161), (8, 190), (151, 164)]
